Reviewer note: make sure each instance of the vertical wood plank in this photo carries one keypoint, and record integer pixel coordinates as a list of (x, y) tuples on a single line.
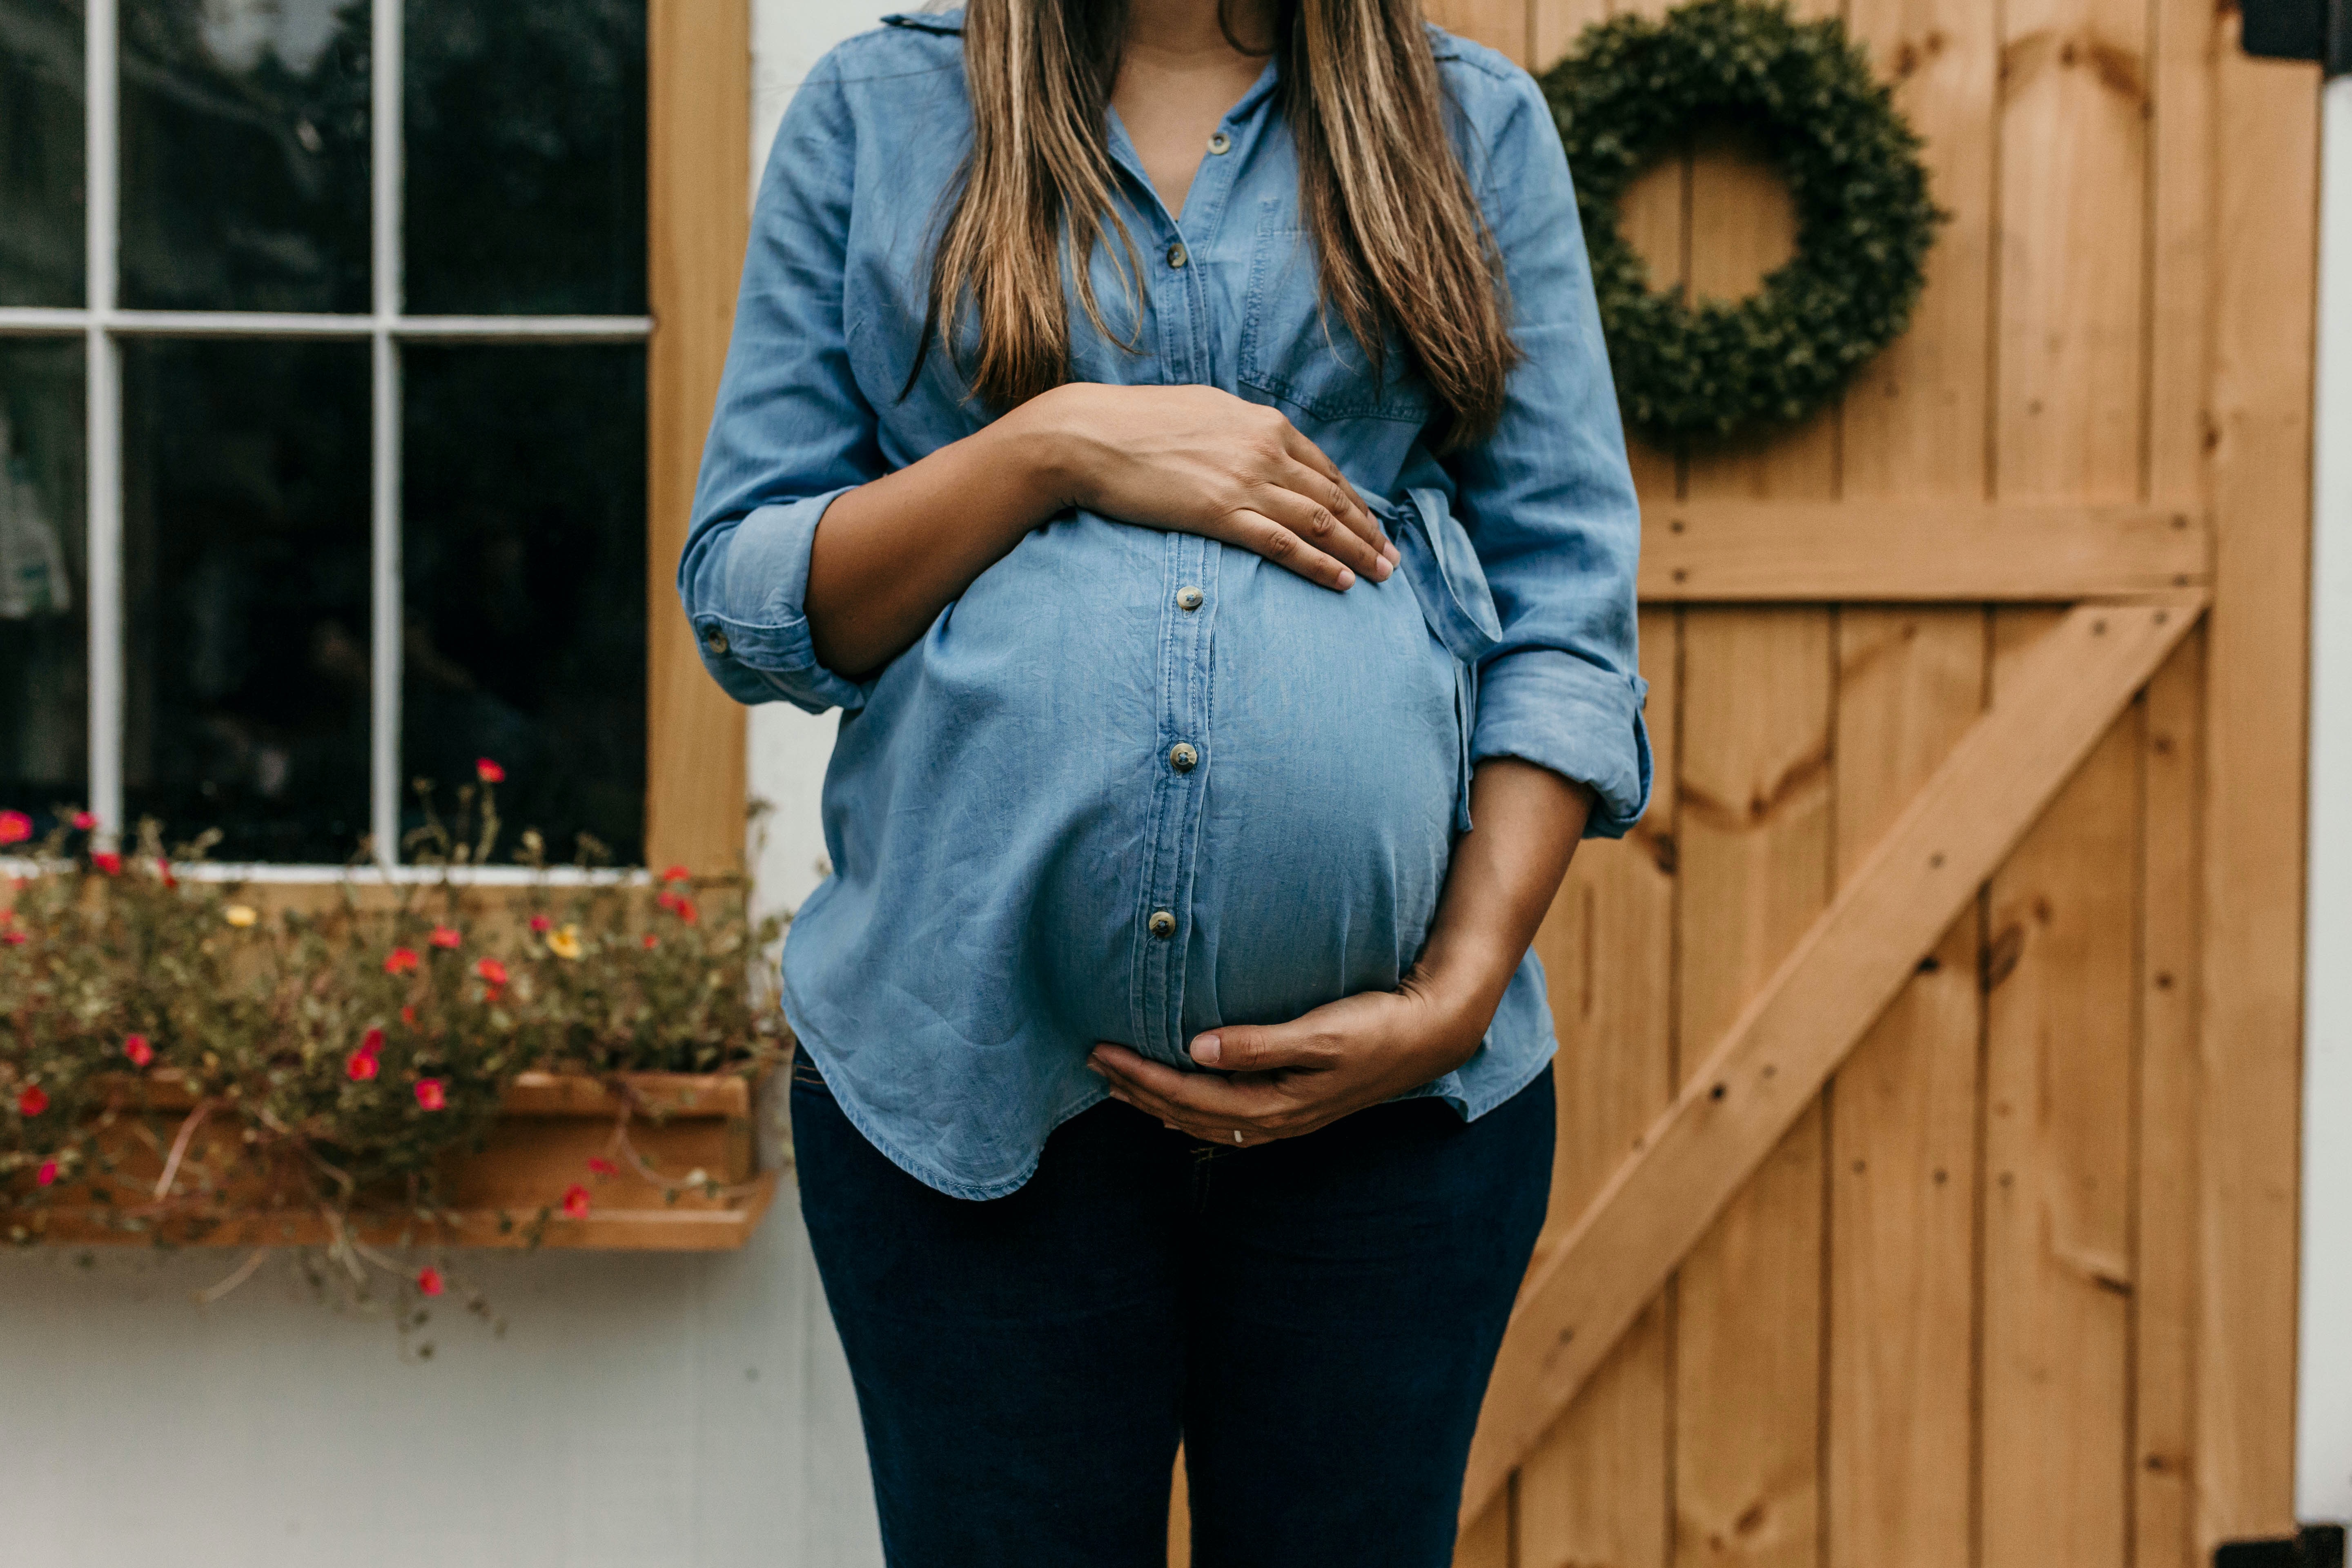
[(1596, 1491), (1902, 1127), (2057, 1272), (1501, 24), (2073, 215), (2072, 361), (1899, 1444), (1755, 838), (2164, 1309), (698, 165), (2257, 693), (1914, 416)]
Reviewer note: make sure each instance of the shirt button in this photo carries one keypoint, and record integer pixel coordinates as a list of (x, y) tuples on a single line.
[(1221, 143), (715, 641), (1176, 254), (1183, 757), (1164, 924), (1188, 599)]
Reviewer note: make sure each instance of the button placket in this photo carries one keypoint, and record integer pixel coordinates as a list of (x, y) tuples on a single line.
[(1177, 796)]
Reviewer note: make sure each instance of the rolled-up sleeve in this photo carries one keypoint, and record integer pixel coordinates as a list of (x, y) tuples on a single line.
[(1548, 500), (791, 431)]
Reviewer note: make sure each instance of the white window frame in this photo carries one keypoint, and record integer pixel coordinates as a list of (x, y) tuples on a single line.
[(103, 326)]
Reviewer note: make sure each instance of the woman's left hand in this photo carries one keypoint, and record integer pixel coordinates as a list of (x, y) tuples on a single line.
[(1283, 1080)]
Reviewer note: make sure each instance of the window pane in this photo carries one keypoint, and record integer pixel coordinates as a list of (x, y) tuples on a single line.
[(523, 551), (245, 154), (44, 583), (246, 593), (41, 132), (526, 156)]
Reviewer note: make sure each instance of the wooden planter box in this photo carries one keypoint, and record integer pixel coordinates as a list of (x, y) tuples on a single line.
[(508, 1194)]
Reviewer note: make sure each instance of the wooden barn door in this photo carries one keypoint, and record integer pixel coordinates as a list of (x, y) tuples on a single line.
[(1925, 1183)]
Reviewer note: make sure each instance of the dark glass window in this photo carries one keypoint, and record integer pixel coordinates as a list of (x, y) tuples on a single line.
[(42, 243), (523, 564), (245, 554), (245, 154), (526, 157), (44, 581)]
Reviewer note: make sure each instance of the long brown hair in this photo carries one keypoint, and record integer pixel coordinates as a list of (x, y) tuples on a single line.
[(1398, 237)]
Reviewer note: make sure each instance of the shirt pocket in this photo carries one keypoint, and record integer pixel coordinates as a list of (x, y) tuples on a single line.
[(1296, 351)]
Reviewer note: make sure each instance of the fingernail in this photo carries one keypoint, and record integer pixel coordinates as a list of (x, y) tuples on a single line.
[(1208, 1050), (1381, 570), (1096, 1067), (1346, 579), (1389, 548)]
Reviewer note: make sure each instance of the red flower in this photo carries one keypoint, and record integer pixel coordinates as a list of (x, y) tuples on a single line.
[(163, 870), (136, 1047), (13, 939), (372, 1043), (444, 937), (33, 1101), (108, 861), (428, 1281), (430, 1094), (400, 960), (48, 1173), (14, 827), (677, 874), (491, 970), (686, 911), (575, 1202), (542, 924), (408, 1016), (360, 1067), (601, 1166), (84, 821), (488, 772), (651, 942)]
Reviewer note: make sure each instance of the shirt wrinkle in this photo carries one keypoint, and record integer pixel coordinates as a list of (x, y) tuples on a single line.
[(1132, 786)]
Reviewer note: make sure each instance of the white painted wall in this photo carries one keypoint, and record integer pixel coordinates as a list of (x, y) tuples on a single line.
[(2324, 1401), (641, 1412)]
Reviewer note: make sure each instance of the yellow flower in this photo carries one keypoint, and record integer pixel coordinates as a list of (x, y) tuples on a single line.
[(564, 941), (240, 915)]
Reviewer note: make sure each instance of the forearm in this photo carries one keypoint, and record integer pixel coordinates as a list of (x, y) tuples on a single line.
[(889, 555), (1504, 875)]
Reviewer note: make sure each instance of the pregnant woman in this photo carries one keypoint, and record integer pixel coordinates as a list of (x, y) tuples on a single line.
[(1177, 436)]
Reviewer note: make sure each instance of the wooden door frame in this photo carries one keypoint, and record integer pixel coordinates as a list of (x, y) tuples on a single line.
[(698, 167)]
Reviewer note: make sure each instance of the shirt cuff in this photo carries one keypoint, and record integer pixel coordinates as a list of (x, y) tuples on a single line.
[(757, 621), (1581, 721)]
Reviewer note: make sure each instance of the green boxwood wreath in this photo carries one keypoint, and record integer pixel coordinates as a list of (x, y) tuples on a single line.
[(1633, 89)]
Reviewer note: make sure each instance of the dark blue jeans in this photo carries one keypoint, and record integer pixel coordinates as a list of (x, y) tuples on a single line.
[(1316, 1319)]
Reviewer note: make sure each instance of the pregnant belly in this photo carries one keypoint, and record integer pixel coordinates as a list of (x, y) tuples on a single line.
[(1330, 801), (1003, 824)]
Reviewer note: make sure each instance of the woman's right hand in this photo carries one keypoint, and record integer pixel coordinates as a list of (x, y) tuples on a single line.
[(1193, 460)]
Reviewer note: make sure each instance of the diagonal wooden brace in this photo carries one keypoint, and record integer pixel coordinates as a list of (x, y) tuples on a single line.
[(1817, 1005)]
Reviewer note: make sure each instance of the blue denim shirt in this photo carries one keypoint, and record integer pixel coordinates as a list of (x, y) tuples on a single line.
[(1135, 785)]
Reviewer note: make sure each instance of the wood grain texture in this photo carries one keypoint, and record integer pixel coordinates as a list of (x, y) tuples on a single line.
[(2164, 1309), (1595, 1491), (1903, 1133), (1754, 840), (1767, 1070), (2058, 1276), (2257, 694), (1755, 836), (1919, 549), (699, 70), (1498, 24)]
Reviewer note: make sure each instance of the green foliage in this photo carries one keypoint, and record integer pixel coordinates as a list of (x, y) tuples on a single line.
[(352, 1044), (1633, 89)]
